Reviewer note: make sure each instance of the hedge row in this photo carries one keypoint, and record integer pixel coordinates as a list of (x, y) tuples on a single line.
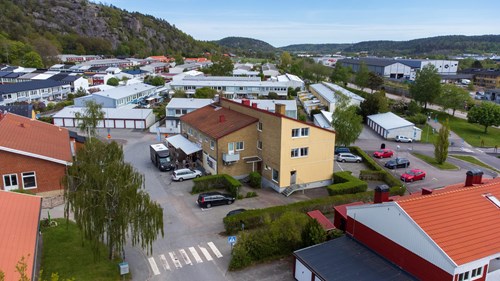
[(376, 172), (222, 181), (259, 217), (345, 183)]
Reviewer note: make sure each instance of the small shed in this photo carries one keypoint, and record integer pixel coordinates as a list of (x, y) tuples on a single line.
[(322, 220), (389, 125)]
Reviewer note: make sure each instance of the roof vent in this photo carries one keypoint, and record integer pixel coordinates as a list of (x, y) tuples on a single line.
[(492, 199)]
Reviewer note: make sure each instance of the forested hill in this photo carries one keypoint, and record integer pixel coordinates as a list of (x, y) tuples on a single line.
[(82, 27), (440, 45), (247, 46)]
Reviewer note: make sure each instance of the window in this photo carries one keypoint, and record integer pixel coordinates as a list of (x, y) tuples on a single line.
[(295, 133), (304, 151), (259, 126), (29, 180), (212, 145), (295, 152), (477, 272), (299, 152), (300, 132), (190, 131), (10, 181), (463, 276), (259, 144), (276, 175), (304, 132), (240, 146)]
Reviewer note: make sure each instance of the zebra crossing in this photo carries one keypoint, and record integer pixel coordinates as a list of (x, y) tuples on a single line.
[(181, 257)]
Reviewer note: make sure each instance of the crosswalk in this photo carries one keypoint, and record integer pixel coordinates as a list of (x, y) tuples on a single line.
[(181, 257)]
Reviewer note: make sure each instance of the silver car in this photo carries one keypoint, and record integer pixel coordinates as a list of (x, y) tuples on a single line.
[(185, 174), (403, 139), (348, 157)]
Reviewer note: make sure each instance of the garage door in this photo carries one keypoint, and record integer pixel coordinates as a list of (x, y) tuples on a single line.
[(110, 123), (120, 123), (139, 124), (69, 122), (100, 124), (58, 122), (129, 124), (302, 273)]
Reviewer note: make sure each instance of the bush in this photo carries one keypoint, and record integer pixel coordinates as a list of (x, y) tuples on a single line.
[(255, 180), (418, 119), (251, 194), (223, 181), (345, 183)]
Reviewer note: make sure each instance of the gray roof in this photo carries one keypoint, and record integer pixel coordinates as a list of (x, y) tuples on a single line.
[(28, 86), (325, 92), (269, 105), (219, 78), (125, 91), (25, 110), (370, 61), (188, 103), (345, 92), (390, 121), (109, 113), (345, 259)]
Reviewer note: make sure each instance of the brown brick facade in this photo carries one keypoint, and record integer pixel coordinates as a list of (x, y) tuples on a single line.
[(48, 174)]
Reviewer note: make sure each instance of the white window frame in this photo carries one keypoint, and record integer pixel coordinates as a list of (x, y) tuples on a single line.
[(31, 174), (294, 153), (259, 126), (239, 145), (230, 148), (278, 175), (304, 132), (300, 132), (259, 145), (212, 144), (299, 152), (10, 187)]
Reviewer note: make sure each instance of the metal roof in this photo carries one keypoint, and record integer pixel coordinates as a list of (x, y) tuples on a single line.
[(109, 113), (28, 86), (390, 121), (180, 142), (344, 91), (325, 92), (370, 61), (125, 91), (188, 103), (270, 105), (344, 259)]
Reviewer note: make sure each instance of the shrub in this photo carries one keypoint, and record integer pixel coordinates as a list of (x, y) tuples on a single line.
[(223, 181), (313, 233), (255, 180), (418, 119), (345, 183), (251, 194)]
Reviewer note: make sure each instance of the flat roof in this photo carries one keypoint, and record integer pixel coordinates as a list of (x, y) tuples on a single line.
[(188, 103), (125, 91), (325, 92), (109, 113), (344, 91), (390, 121), (28, 86), (180, 142), (269, 105), (344, 259)]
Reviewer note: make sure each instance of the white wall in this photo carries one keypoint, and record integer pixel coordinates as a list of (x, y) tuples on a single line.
[(301, 273)]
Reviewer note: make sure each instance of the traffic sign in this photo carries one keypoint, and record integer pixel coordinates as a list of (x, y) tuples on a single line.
[(231, 239)]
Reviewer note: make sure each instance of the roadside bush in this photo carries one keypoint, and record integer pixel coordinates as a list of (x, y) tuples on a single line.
[(251, 194), (255, 180), (212, 182), (418, 119), (345, 183)]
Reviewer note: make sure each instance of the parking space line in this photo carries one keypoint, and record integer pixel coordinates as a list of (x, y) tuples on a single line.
[(175, 260), (154, 267), (186, 258), (164, 262), (205, 253), (197, 257), (215, 250)]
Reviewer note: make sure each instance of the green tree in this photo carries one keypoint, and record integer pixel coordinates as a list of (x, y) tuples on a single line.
[(362, 76), (477, 64), (32, 59), (413, 108), (107, 197), (441, 144), (453, 97), (347, 124), (427, 86), (373, 104), (272, 96), (179, 60), (313, 233), (205, 93), (155, 80), (374, 81), (341, 74), (470, 86), (222, 66), (178, 93), (486, 114), (90, 117), (113, 81), (286, 60)]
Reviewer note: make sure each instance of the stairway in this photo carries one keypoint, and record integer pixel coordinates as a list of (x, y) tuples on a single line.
[(292, 188)]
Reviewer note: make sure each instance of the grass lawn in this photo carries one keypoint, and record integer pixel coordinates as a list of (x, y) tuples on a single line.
[(474, 160), (432, 161), (471, 133), (427, 135), (63, 253)]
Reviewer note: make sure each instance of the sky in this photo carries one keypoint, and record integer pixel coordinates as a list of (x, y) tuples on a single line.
[(281, 23)]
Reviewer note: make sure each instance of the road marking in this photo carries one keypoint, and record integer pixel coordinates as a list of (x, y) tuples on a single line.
[(176, 261), (205, 253), (195, 255), (154, 267), (164, 262), (186, 258), (215, 250)]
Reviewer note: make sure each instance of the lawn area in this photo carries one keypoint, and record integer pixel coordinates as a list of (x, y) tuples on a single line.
[(474, 160), (427, 135), (471, 133), (432, 161), (63, 253)]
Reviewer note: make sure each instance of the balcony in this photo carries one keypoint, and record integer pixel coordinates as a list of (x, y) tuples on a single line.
[(229, 158)]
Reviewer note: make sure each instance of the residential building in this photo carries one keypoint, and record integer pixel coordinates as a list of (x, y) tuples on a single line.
[(270, 70), (493, 95), (44, 90), (329, 94), (77, 58), (323, 119), (389, 125), (108, 62), (75, 81), (20, 230), (238, 138), (25, 110), (485, 78), (159, 58), (156, 67), (270, 105), (118, 97), (34, 155), (293, 81), (178, 107)]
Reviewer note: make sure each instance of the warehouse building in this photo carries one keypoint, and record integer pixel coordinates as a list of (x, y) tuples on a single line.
[(389, 125)]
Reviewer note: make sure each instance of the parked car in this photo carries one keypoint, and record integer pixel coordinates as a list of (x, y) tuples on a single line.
[(209, 199), (383, 153), (341, 149), (185, 174), (235, 212), (348, 157), (397, 163), (403, 139), (413, 175)]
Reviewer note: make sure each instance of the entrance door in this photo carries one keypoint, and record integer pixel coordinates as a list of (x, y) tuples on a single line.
[(259, 167), (230, 148), (293, 177), (10, 182)]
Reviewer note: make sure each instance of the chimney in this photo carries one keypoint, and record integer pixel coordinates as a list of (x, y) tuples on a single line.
[(381, 194), (245, 102), (426, 191), (222, 119), (473, 176), (279, 108), (254, 104)]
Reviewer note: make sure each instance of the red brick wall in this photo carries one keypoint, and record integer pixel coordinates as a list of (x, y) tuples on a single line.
[(48, 174)]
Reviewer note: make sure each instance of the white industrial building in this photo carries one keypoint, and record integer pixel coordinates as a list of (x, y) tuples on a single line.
[(178, 107), (323, 119), (114, 118), (270, 105), (389, 125), (328, 95), (119, 96)]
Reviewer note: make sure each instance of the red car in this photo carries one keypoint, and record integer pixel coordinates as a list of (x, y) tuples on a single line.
[(413, 175), (383, 153)]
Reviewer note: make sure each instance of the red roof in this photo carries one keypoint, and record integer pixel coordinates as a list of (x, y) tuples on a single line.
[(462, 221), (324, 221), (34, 138), (217, 122), (19, 217)]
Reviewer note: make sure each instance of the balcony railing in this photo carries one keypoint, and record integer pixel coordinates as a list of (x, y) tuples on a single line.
[(228, 158)]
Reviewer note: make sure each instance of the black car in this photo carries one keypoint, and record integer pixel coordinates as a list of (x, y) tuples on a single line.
[(235, 212), (209, 199), (341, 149), (398, 163)]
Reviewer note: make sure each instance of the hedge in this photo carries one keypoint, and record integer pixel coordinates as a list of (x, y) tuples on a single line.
[(345, 183), (222, 181), (259, 217), (376, 172)]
